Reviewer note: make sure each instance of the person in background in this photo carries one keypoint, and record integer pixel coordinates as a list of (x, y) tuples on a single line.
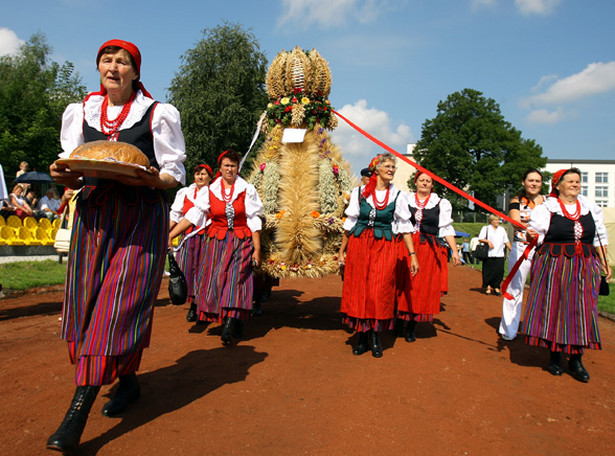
[(561, 312), (473, 244), (23, 169), (365, 175), (493, 266), (465, 251), (18, 201), (50, 204), (376, 214), (119, 236), (189, 255), (521, 207)]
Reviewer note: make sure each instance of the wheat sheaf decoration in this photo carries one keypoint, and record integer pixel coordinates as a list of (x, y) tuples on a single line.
[(304, 186)]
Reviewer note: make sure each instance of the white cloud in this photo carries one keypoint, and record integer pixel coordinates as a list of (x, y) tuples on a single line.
[(9, 42), (476, 4), (544, 116), (329, 13), (359, 150), (542, 7), (596, 78)]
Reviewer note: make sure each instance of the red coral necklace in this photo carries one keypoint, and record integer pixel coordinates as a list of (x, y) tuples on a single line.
[(576, 215), (380, 205), (110, 127), (227, 197)]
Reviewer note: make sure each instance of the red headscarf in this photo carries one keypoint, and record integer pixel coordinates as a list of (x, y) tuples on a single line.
[(133, 50), (206, 168), (555, 180), (370, 187)]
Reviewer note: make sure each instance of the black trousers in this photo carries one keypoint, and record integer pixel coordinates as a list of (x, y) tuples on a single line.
[(493, 272)]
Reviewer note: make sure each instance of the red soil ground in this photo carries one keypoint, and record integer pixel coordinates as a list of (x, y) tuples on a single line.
[(292, 385)]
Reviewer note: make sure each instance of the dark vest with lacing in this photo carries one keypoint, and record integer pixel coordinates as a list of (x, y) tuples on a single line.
[(378, 220), (429, 224), (559, 240)]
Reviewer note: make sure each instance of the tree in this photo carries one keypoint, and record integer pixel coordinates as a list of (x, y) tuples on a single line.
[(33, 94), (220, 93), (470, 145)]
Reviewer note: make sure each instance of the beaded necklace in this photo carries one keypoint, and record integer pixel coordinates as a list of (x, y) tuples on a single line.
[(575, 216), (110, 127), (227, 197), (381, 205), (419, 209)]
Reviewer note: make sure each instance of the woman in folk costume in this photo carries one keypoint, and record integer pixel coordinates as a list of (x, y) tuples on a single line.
[(419, 296), (561, 312), (232, 248), (376, 213), (191, 247), (520, 210), (119, 236)]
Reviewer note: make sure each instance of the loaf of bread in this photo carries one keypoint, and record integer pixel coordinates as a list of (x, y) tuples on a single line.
[(111, 151)]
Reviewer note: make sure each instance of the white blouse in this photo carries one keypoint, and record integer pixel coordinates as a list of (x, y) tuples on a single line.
[(169, 146), (254, 207), (540, 219), (177, 208), (445, 222), (401, 217), (498, 238)]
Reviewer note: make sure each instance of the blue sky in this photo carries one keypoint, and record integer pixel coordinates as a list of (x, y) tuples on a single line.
[(550, 64)]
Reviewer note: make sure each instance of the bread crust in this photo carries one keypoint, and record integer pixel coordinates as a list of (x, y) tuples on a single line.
[(111, 150)]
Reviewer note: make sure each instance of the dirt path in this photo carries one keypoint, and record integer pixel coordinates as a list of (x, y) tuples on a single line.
[(292, 386)]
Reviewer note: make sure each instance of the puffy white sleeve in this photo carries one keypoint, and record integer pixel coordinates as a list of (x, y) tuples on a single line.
[(71, 135), (401, 217), (197, 215), (540, 219), (254, 208), (178, 205), (601, 234), (445, 223), (169, 145), (352, 211)]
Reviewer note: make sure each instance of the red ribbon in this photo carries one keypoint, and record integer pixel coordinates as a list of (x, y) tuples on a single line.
[(515, 268), (430, 174)]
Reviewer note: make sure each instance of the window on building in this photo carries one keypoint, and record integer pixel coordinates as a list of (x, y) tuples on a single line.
[(602, 203), (602, 178), (584, 190), (583, 178), (602, 192)]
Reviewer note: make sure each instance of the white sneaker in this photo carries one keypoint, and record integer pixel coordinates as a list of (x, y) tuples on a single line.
[(505, 337)]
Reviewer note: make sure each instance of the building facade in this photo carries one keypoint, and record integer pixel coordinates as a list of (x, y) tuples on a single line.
[(597, 178)]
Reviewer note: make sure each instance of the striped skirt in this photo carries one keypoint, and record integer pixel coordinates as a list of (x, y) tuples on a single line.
[(368, 293), (419, 296), (189, 260), (115, 267), (225, 279), (561, 312)]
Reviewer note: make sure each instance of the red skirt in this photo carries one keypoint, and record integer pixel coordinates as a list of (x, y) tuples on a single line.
[(419, 296), (368, 294)]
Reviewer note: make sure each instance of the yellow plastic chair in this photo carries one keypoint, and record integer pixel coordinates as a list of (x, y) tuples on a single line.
[(14, 222), (43, 236), (25, 235), (2, 221), (8, 234), (30, 223), (44, 223), (55, 224)]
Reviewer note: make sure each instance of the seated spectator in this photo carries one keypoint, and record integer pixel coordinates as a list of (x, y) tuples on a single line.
[(6, 208), (50, 204), (22, 208)]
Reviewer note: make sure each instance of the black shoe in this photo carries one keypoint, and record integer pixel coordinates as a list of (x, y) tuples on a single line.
[(191, 315), (257, 310), (375, 345), (238, 329), (555, 366), (399, 328), (361, 347), (66, 438), (410, 336), (128, 392), (227, 330), (576, 368)]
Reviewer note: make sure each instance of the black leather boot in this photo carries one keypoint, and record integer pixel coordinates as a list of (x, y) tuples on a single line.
[(191, 315), (410, 337), (238, 329), (227, 330), (361, 347), (576, 368), (555, 365), (66, 438), (375, 345), (399, 328), (128, 392)]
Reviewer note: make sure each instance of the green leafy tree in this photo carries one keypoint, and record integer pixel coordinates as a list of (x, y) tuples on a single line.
[(34, 92), (220, 92), (470, 145)]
